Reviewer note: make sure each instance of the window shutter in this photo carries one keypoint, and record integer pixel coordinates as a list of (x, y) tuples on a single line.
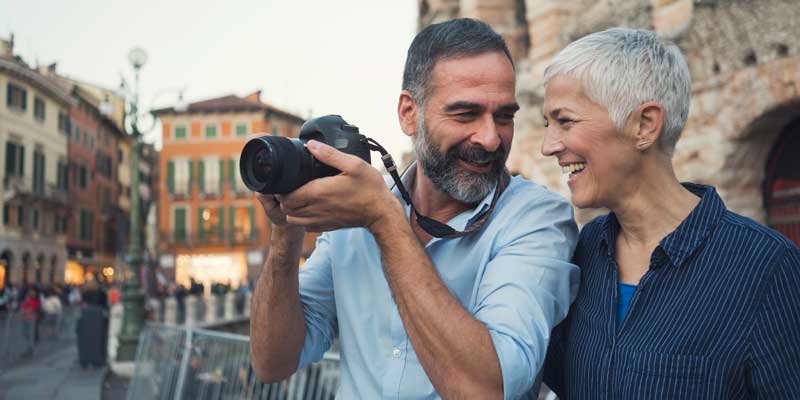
[(220, 175), (231, 217), (252, 213), (11, 158), (171, 177), (232, 174), (9, 96), (201, 176), (24, 99), (221, 223), (21, 171), (201, 234), (191, 176), (179, 230)]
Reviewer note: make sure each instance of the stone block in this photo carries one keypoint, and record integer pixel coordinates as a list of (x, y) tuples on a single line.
[(672, 19)]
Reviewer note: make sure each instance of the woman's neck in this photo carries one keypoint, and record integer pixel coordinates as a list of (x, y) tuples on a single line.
[(654, 206)]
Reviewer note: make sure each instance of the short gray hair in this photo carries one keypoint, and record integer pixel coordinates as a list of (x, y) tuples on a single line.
[(622, 68), (451, 39)]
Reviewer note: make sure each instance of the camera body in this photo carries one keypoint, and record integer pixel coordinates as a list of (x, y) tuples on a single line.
[(279, 165)]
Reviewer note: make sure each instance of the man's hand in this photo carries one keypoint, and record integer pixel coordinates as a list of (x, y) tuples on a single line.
[(357, 197)]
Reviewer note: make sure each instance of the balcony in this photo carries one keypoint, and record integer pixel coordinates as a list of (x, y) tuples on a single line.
[(24, 189), (193, 240)]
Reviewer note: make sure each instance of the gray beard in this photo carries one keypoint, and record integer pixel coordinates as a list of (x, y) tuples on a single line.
[(448, 177)]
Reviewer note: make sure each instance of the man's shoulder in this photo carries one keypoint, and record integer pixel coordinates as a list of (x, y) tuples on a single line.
[(525, 194)]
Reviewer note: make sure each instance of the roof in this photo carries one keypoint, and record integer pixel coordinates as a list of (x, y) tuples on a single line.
[(229, 103), (37, 80)]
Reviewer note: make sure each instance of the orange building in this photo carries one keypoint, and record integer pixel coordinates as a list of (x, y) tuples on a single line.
[(210, 227)]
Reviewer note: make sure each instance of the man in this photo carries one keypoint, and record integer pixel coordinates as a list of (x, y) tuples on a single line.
[(464, 316)]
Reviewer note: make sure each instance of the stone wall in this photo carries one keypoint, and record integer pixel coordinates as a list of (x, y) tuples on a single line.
[(744, 60)]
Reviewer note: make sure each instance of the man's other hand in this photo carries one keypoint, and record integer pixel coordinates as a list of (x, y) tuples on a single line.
[(357, 197)]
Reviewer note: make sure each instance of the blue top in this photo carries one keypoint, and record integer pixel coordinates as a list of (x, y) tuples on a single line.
[(717, 315), (513, 275), (624, 295)]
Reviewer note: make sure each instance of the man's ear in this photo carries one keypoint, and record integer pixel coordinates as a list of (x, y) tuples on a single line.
[(648, 124), (407, 111)]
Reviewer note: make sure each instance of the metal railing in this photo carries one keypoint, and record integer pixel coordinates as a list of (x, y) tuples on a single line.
[(176, 362)]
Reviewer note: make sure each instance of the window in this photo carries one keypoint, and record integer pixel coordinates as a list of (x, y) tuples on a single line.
[(182, 176), (38, 172), (91, 142), (211, 131), (6, 214), (241, 130), (103, 164), (35, 219), (82, 177), (15, 159), (16, 97), (242, 223), (86, 225), (274, 130), (38, 108), (210, 223), (64, 123), (20, 216), (61, 176), (179, 224), (180, 132), (210, 175)]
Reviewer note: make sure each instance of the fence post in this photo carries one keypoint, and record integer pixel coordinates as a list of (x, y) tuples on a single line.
[(187, 353), (191, 310)]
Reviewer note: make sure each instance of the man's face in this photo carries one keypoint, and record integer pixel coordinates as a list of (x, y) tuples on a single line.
[(464, 132)]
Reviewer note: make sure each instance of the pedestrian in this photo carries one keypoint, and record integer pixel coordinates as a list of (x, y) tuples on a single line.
[(52, 310), (29, 314)]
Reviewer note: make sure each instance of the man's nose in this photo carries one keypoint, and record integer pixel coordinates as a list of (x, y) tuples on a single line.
[(487, 135), (552, 144)]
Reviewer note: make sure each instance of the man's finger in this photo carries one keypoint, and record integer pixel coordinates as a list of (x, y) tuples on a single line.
[(330, 156)]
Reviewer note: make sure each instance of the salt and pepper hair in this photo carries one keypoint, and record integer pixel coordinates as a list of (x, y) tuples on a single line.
[(622, 68), (452, 39)]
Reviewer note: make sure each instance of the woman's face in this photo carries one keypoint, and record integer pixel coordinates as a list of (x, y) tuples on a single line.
[(600, 160)]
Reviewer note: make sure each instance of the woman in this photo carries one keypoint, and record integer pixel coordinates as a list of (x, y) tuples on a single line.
[(680, 298)]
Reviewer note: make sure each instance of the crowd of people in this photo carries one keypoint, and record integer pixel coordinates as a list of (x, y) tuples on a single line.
[(45, 312)]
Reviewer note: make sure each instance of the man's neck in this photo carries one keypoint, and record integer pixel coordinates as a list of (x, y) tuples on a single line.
[(432, 202)]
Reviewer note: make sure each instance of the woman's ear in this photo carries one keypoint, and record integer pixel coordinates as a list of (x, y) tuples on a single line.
[(407, 110), (649, 124)]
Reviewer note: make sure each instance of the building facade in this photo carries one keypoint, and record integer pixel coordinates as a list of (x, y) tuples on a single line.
[(34, 124), (743, 132), (211, 228)]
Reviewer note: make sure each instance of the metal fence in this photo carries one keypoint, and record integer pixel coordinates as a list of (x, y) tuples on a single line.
[(15, 331), (176, 362)]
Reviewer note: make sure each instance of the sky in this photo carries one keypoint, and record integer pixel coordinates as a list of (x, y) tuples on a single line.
[(309, 57)]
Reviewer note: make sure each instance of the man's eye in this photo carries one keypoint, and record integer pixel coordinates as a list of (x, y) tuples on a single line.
[(546, 123), (564, 121), (505, 118), (467, 115)]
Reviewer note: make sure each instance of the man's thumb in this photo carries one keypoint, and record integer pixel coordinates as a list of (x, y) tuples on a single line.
[(327, 154)]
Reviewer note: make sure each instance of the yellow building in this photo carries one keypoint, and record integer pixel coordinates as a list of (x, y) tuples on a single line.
[(34, 121)]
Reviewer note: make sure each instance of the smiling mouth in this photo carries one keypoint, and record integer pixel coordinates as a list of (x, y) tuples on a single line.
[(573, 169)]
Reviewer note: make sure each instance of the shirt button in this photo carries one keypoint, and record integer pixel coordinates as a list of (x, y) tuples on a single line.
[(396, 353)]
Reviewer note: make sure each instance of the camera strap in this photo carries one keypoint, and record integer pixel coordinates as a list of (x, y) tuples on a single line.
[(430, 225)]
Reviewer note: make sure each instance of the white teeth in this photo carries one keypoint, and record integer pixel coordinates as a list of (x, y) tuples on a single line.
[(574, 167)]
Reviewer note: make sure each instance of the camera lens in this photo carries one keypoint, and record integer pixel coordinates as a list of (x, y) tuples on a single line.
[(262, 167), (274, 164)]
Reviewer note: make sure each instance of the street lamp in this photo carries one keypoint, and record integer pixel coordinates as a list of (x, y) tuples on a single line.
[(132, 297)]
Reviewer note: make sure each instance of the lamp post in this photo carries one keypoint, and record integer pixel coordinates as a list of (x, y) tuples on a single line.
[(132, 297)]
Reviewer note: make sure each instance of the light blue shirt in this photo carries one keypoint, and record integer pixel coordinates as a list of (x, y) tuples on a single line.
[(514, 275)]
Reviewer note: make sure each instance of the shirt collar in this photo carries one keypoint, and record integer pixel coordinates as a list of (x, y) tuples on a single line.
[(459, 222), (681, 243)]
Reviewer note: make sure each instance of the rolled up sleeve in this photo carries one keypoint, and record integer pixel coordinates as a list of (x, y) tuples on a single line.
[(319, 305), (527, 289)]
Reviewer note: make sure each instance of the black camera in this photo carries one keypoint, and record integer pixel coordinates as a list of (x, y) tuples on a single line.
[(277, 165)]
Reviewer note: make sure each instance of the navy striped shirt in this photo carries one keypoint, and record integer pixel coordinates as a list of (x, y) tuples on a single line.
[(717, 315)]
